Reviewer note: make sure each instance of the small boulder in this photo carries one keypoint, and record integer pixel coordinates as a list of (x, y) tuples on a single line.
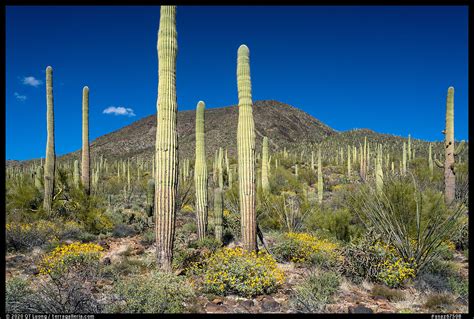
[(359, 309), (270, 305)]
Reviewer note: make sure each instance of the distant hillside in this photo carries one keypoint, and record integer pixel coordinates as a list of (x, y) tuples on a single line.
[(285, 126)]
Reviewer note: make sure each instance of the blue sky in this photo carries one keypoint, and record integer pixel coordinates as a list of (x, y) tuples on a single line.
[(384, 68)]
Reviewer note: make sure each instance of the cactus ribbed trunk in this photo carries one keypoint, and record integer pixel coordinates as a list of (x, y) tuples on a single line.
[(449, 177), (50, 162), (246, 152), (404, 159), (218, 214), (409, 148), (76, 173), (430, 161), (38, 177), (320, 178), (348, 161), (265, 182), (86, 173), (200, 173), (166, 139), (378, 170)]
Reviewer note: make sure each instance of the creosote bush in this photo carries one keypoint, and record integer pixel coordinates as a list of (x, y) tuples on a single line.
[(305, 248), (156, 292), (315, 292)]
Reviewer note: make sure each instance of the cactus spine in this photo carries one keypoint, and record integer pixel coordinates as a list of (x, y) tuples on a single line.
[(200, 172), (166, 139), (246, 152), (50, 162), (449, 151), (86, 173)]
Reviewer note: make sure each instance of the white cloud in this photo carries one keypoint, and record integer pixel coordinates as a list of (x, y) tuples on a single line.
[(20, 97), (31, 80), (120, 110)]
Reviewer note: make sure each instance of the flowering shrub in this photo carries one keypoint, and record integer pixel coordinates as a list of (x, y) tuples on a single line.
[(377, 262), (27, 235), (74, 257), (234, 270), (304, 248)]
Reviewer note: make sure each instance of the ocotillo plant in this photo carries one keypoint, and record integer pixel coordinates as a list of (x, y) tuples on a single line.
[(265, 182), (166, 139), (76, 173), (50, 162), (86, 173), (200, 172), (246, 152), (449, 151), (320, 178)]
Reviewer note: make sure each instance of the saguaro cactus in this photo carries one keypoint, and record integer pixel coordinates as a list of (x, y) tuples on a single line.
[(449, 151), (50, 162), (86, 173), (265, 182), (76, 173), (378, 170), (348, 161), (430, 161), (320, 178), (200, 172), (404, 159), (246, 152), (166, 139), (38, 177), (218, 193), (150, 197)]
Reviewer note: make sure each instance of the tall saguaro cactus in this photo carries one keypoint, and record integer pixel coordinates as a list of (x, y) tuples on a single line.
[(430, 161), (320, 178), (449, 151), (166, 148), (246, 151), (218, 198), (76, 173), (200, 172), (50, 162), (86, 173), (265, 182)]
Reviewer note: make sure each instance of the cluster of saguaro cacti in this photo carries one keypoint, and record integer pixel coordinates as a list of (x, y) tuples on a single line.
[(86, 174), (200, 172), (265, 165), (449, 151), (166, 139), (50, 162), (246, 152)]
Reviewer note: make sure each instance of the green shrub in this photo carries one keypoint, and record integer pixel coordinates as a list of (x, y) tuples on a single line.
[(207, 243), (24, 236), (373, 260), (148, 237), (237, 271), (439, 302), (122, 230), (305, 248), (340, 223), (386, 292), (315, 292), (17, 295), (154, 293)]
